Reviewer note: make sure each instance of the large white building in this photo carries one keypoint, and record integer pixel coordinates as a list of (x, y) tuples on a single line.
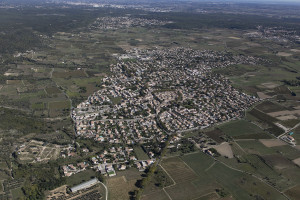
[(85, 185)]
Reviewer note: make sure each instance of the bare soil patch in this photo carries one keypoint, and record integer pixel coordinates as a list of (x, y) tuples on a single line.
[(286, 117), (278, 161), (297, 161), (284, 54), (270, 85), (224, 149), (295, 50), (294, 192), (284, 112), (272, 142), (262, 95)]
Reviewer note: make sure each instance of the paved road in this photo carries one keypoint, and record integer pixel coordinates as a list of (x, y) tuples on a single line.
[(106, 191)]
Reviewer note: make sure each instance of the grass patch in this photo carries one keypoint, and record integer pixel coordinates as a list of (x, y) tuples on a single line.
[(254, 136), (294, 193), (17, 193), (290, 123), (52, 90), (268, 106), (159, 180), (18, 120), (70, 74), (38, 106), (264, 118), (80, 177), (119, 186), (59, 108), (241, 129), (255, 147), (140, 153), (59, 105), (178, 170), (242, 186), (216, 135), (116, 100), (287, 151), (198, 161)]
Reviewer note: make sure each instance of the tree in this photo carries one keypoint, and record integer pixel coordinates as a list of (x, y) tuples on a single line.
[(32, 192)]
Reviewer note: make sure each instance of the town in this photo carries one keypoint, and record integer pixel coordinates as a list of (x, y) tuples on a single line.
[(114, 23), (156, 93)]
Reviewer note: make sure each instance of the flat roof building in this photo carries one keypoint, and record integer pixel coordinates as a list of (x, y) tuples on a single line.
[(85, 185)]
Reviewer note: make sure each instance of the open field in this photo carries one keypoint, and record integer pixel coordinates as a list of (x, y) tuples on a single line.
[(287, 151), (294, 192), (243, 129), (224, 149), (154, 188), (265, 119), (278, 161), (59, 108), (119, 187), (158, 195), (211, 175), (297, 161), (141, 155), (241, 185), (216, 135), (80, 177), (255, 147), (189, 184), (178, 170), (17, 193), (69, 74), (272, 142), (212, 196), (268, 106)]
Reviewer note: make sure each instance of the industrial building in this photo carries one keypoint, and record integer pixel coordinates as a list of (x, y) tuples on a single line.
[(85, 185)]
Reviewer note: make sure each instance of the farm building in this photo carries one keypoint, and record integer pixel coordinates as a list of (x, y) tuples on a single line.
[(84, 185)]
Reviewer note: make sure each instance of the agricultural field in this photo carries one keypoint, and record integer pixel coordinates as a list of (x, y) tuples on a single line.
[(255, 147), (294, 192), (48, 70), (287, 151), (120, 186), (243, 129), (155, 187), (212, 179), (216, 134), (265, 120), (242, 186)]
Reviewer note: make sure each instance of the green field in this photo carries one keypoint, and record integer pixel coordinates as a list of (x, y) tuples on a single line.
[(199, 162), (294, 192), (268, 107), (287, 151), (254, 146), (140, 153), (80, 177), (210, 176), (17, 193), (59, 108), (52, 90), (243, 129), (242, 186)]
